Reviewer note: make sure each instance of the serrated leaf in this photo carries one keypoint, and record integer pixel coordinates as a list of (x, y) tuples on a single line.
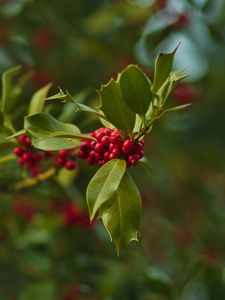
[(65, 97), (115, 108), (7, 88), (38, 100), (122, 213), (163, 66), (104, 184), (136, 89)]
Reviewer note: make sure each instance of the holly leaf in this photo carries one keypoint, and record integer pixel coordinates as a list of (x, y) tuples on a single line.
[(136, 89), (44, 125), (8, 90), (38, 100), (122, 213), (163, 67), (54, 143), (115, 108), (64, 97), (104, 184)]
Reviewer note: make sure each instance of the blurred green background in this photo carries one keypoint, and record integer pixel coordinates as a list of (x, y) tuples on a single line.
[(48, 250)]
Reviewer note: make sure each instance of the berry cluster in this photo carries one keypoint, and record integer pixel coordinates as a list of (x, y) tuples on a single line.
[(29, 157), (65, 159), (110, 145), (32, 159)]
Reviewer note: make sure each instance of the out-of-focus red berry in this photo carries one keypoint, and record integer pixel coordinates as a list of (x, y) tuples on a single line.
[(43, 38)]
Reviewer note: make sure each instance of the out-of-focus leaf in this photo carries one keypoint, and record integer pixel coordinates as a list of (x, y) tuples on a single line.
[(121, 214), (159, 282), (8, 90), (37, 101), (38, 291), (104, 184), (146, 165)]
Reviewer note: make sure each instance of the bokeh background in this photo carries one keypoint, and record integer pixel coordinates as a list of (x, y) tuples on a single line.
[(48, 249)]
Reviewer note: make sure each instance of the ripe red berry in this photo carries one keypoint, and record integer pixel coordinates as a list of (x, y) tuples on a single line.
[(21, 161), (116, 139), (105, 140), (90, 161), (70, 165), (18, 151), (62, 153), (116, 152), (48, 154), (99, 148), (60, 161), (128, 146), (82, 154), (27, 156)]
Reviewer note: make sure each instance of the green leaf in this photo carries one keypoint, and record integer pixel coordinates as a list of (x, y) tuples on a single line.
[(163, 66), (54, 143), (44, 125), (86, 108), (37, 101), (136, 89), (7, 88), (65, 97), (6, 158), (115, 108), (36, 291), (1, 119), (146, 164), (104, 184), (122, 213), (159, 282)]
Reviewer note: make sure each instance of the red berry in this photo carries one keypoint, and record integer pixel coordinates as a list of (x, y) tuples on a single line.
[(106, 155), (90, 161), (34, 171), (138, 147), (21, 161), (105, 140), (27, 156), (82, 154), (99, 135), (60, 161), (37, 157), (22, 138), (62, 153), (92, 144), (70, 165), (140, 154), (98, 156), (85, 145), (48, 154), (27, 141), (116, 152), (128, 146), (99, 148), (116, 139), (111, 156), (132, 159), (111, 147), (18, 151)]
